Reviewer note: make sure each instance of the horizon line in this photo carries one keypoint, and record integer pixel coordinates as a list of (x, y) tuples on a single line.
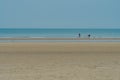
[(55, 28)]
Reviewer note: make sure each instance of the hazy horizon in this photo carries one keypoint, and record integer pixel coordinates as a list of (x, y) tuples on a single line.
[(54, 28)]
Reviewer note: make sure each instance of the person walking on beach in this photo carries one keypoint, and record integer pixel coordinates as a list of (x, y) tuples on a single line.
[(89, 35), (79, 35)]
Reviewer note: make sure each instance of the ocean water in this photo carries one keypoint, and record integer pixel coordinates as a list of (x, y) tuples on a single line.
[(58, 33)]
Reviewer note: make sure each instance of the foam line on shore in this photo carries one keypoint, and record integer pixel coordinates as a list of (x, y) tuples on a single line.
[(59, 38)]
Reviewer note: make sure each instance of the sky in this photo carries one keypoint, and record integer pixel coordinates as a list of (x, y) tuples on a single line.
[(59, 13)]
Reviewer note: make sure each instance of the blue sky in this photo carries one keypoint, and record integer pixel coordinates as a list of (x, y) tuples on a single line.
[(60, 13)]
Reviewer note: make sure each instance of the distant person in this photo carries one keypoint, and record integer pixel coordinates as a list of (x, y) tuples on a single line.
[(89, 35), (79, 35)]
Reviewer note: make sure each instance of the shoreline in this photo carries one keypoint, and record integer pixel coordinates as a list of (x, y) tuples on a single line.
[(59, 38)]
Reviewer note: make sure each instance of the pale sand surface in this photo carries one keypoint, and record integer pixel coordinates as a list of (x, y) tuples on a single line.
[(60, 61)]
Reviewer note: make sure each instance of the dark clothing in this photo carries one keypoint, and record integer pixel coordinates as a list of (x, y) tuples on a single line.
[(89, 35), (79, 35)]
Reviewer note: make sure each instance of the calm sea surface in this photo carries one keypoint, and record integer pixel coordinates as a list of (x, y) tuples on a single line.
[(59, 33)]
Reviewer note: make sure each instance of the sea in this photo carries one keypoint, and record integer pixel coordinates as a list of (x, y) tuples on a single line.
[(58, 33)]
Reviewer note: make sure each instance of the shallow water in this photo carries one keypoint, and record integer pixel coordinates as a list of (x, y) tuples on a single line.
[(59, 33)]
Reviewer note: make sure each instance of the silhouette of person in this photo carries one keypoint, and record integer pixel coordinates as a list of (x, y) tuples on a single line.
[(79, 35), (89, 35)]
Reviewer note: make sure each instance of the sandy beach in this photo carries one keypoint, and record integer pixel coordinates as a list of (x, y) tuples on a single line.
[(60, 61)]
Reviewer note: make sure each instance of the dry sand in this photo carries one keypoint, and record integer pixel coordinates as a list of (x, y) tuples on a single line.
[(60, 61)]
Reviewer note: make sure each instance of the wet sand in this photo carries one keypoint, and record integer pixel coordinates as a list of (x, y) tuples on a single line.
[(60, 61), (59, 38)]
